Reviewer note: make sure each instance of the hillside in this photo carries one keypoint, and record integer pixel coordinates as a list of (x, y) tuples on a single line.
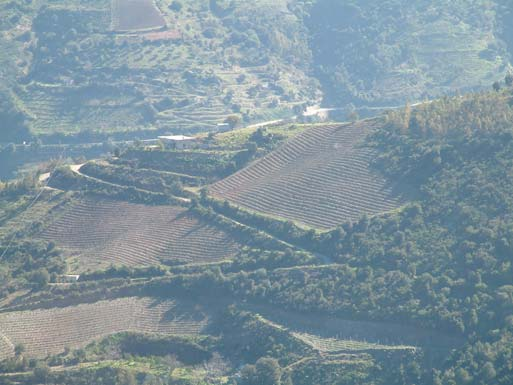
[(405, 285), (390, 52), (186, 66), (89, 66), (273, 248), (411, 290), (100, 233), (111, 222), (321, 178), (44, 332)]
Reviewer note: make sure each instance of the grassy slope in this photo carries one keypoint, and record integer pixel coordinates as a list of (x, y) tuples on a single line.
[(239, 138)]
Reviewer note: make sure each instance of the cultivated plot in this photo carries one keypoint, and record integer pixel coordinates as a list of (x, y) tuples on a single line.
[(104, 232), (50, 331), (331, 334), (320, 178)]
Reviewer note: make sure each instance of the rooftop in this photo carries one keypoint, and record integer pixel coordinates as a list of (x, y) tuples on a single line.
[(177, 137)]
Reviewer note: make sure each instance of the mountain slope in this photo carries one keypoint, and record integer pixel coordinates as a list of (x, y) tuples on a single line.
[(421, 294), (320, 178), (100, 233), (68, 67), (389, 52), (50, 331), (73, 68)]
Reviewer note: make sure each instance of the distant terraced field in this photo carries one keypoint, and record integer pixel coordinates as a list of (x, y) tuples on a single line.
[(320, 178), (335, 345), (107, 232), (49, 331), (331, 334), (128, 15)]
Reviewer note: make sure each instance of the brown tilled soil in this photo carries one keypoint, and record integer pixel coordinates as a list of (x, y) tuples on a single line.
[(103, 232)]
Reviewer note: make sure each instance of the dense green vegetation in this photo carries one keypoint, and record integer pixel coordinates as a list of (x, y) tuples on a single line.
[(25, 264), (386, 52), (464, 173), (29, 265), (14, 128)]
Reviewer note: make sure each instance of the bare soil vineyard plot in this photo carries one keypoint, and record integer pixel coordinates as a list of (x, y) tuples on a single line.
[(129, 15), (320, 178), (50, 331), (105, 232)]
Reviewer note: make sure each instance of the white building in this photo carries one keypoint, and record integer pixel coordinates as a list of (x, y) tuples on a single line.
[(68, 278), (223, 127), (178, 142)]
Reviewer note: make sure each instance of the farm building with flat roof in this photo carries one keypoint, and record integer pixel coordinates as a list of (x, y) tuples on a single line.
[(178, 142)]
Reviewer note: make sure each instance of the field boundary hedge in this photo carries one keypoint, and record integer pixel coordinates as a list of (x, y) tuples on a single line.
[(65, 179)]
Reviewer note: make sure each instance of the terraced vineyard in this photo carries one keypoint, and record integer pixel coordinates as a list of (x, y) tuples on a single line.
[(329, 343), (139, 64), (320, 178), (50, 112), (335, 345), (44, 332), (332, 334), (106, 232)]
